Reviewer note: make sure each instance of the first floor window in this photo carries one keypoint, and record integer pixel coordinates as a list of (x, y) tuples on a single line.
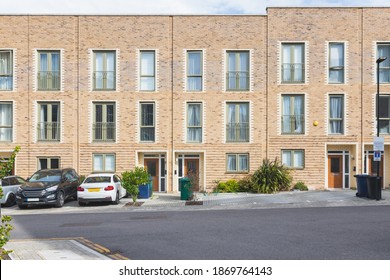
[(147, 124), (194, 122), (384, 114), (336, 114), (6, 121), (49, 121), (104, 122), (293, 158), (237, 163), (293, 118), (48, 163), (237, 122), (104, 163)]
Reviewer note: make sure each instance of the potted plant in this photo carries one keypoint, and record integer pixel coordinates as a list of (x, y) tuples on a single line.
[(132, 180)]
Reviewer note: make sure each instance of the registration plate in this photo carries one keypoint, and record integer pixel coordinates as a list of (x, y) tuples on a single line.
[(94, 190), (32, 199)]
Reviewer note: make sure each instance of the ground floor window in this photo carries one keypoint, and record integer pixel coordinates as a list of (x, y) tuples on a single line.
[(237, 162), (104, 163), (293, 158), (48, 163)]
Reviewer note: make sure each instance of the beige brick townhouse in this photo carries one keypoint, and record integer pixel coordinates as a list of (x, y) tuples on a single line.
[(215, 94)]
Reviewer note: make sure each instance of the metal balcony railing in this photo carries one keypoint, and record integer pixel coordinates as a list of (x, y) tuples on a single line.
[(237, 80), (237, 132), (293, 124), (104, 131), (49, 131), (104, 80), (49, 80), (293, 73)]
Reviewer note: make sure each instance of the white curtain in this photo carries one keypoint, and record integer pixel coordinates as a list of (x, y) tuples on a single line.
[(336, 114), (336, 59), (298, 159), (99, 68), (244, 122), (232, 70), (286, 115), (243, 163), (5, 122), (194, 132), (231, 122), (194, 71), (6, 70), (43, 121), (43, 62), (293, 62), (147, 71), (98, 163), (286, 158), (298, 112), (244, 70), (110, 68), (232, 163), (110, 163)]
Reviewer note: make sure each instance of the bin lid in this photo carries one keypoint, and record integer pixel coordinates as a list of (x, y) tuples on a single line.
[(184, 179), (361, 175)]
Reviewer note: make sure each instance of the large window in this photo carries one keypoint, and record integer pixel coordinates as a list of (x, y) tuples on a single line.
[(293, 158), (104, 163), (293, 63), (48, 163), (384, 114), (49, 76), (336, 63), (147, 124), (6, 70), (147, 70), (49, 121), (6, 123), (384, 67), (237, 163), (104, 74), (104, 122), (237, 122), (237, 76), (336, 114), (293, 114), (194, 122), (194, 70)]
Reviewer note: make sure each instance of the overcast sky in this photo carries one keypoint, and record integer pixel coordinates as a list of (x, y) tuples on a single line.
[(166, 6)]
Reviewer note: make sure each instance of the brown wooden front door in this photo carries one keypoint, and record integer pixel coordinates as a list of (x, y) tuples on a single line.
[(191, 168), (151, 165), (335, 171)]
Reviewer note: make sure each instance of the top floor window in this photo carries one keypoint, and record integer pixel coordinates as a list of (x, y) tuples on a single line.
[(237, 75), (194, 70), (147, 71), (336, 63), (6, 70), (384, 67), (49, 70), (104, 74), (293, 63)]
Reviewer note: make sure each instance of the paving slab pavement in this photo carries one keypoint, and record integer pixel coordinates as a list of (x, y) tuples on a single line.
[(80, 248)]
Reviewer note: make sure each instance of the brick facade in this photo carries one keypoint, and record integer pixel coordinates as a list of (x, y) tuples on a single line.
[(169, 38)]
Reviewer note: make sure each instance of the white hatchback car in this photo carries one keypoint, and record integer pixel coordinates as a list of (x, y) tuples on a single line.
[(100, 187)]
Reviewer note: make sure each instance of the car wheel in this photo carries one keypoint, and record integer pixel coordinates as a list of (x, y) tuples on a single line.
[(60, 200), (21, 206), (116, 201), (82, 203), (10, 200)]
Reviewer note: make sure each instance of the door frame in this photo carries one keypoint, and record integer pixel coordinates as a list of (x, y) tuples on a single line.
[(162, 165), (346, 168), (178, 167)]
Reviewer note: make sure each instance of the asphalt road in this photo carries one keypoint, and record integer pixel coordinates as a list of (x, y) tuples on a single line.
[(289, 233)]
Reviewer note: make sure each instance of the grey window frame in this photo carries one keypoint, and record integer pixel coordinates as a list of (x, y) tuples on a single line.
[(293, 65), (104, 72), (51, 130), (104, 128), (147, 127), (11, 127), (334, 68), (238, 170), (292, 152), (49, 80), (104, 155), (238, 72), (8, 75)]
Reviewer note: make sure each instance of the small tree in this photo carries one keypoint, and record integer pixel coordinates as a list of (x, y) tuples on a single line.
[(5, 228), (131, 180), (272, 176)]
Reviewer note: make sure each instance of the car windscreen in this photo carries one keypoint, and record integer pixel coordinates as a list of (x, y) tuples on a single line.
[(98, 179), (46, 176)]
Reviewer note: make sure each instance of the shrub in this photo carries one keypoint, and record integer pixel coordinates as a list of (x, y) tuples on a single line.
[(270, 177), (131, 180), (246, 184), (229, 186), (300, 186)]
